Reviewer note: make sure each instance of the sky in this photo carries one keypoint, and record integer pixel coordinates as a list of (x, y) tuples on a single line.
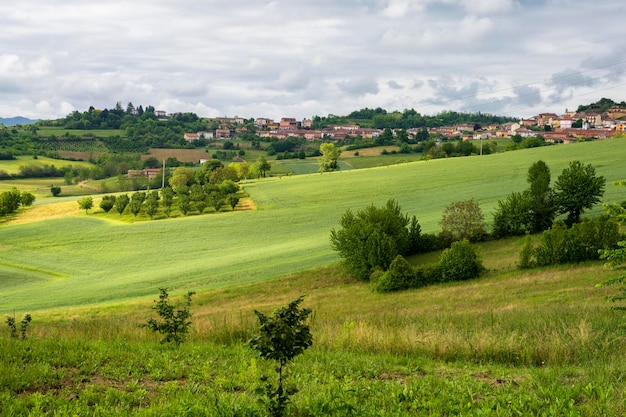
[(295, 58)]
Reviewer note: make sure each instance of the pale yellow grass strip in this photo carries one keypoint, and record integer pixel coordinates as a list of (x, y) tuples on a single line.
[(46, 212)]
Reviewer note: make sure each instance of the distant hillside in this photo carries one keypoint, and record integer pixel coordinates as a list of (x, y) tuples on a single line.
[(19, 120), (601, 106)]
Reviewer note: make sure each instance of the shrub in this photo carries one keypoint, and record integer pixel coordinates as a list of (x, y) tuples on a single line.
[(55, 190), (460, 262), (399, 276), (23, 325), (513, 216), (580, 243), (175, 322), (426, 275), (107, 203), (282, 336), (526, 260)]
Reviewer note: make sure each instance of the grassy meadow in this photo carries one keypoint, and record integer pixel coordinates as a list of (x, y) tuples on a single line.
[(540, 342), (512, 343), (13, 166)]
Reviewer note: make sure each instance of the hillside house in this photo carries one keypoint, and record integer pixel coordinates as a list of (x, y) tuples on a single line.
[(289, 123), (566, 122), (222, 134), (546, 119), (191, 137), (150, 173)]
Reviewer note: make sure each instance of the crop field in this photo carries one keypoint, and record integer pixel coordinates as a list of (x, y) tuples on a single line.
[(60, 132), (84, 260), (183, 155)]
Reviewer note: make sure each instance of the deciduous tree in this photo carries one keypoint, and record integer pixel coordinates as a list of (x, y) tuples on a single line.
[(373, 237), (463, 220), (540, 197), (328, 160), (85, 203), (578, 189)]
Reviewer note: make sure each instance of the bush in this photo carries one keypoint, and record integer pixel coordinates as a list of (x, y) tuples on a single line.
[(513, 216), (282, 336), (460, 262), (426, 275), (526, 260), (175, 322), (582, 242), (399, 276)]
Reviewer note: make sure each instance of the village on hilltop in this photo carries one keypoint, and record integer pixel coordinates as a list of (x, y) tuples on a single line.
[(565, 128)]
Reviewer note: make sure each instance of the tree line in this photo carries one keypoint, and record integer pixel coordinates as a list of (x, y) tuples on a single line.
[(373, 243)]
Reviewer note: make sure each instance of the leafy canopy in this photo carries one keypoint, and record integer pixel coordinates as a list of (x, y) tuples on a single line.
[(373, 237)]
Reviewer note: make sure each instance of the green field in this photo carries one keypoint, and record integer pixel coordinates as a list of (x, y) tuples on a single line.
[(13, 166), (86, 260)]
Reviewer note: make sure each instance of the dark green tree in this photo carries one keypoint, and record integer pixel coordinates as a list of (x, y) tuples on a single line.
[(55, 190), (578, 189), (121, 201), (107, 203), (540, 197), (513, 216), (232, 200)]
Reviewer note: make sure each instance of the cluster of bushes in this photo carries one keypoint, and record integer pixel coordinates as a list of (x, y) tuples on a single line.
[(584, 241), (374, 241), (460, 262)]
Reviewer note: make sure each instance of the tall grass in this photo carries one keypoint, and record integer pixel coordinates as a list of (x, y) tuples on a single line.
[(539, 342)]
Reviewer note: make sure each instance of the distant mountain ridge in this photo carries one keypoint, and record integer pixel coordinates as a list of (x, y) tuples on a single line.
[(19, 120)]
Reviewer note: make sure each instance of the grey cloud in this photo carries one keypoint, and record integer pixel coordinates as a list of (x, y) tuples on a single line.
[(526, 95), (302, 56), (358, 87)]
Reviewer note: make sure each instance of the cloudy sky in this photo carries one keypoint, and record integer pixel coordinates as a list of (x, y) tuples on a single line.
[(295, 58)]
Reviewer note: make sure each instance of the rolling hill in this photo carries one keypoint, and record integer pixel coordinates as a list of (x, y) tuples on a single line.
[(84, 259)]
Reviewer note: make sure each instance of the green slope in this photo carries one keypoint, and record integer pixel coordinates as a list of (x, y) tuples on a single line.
[(85, 260)]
